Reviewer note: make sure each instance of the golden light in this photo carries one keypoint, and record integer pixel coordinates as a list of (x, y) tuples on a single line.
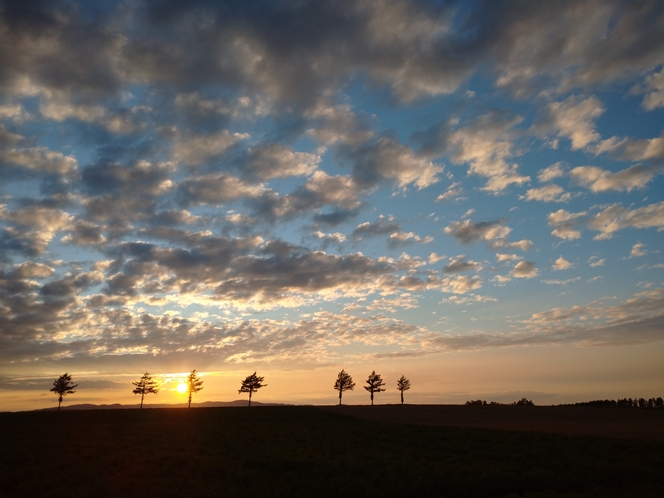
[(182, 387)]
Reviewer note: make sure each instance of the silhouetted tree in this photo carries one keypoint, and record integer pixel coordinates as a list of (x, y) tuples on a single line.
[(374, 384), (145, 385), (194, 384), (523, 402), (63, 386), (403, 384), (343, 383), (251, 384)]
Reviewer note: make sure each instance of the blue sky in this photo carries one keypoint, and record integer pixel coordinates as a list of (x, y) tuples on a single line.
[(441, 189)]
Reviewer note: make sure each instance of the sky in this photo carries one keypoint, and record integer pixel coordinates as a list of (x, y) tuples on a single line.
[(469, 194)]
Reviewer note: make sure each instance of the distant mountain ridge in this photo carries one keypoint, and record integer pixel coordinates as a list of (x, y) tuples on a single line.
[(119, 406)]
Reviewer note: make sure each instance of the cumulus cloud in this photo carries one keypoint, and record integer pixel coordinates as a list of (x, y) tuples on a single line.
[(594, 261), (452, 193), (507, 257), (551, 173), (654, 90), (616, 217), (565, 224), (494, 233), (40, 159), (216, 189), (548, 193), (198, 149), (486, 146), (524, 269), (276, 161), (387, 159), (599, 180), (562, 264), (573, 119), (638, 250), (561, 282), (459, 264)]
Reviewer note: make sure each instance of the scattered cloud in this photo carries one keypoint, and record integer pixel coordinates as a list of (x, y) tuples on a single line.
[(562, 264)]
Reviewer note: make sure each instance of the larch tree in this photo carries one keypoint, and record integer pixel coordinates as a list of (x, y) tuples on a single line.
[(145, 385), (251, 384), (194, 384), (403, 384), (343, 383), (374, 385), (63, 386)]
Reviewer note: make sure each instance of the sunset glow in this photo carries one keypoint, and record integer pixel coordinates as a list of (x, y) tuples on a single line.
[(470, 194)]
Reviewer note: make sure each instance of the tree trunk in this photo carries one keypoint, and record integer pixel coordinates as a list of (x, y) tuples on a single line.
[(340, 397), (402, 397), (142, 395), (249, 398), (189, 399), (371, 398), (59, 402)]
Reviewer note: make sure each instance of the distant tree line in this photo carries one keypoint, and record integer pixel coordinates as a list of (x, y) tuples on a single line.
[(521, 402), (64, 385), (374, 385), (624, 403)]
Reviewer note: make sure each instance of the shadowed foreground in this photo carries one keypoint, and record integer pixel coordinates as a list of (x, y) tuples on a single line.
[(306, 451), (624, 423)]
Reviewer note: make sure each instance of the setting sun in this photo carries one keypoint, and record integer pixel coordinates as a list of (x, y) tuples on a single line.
[(182, 387)]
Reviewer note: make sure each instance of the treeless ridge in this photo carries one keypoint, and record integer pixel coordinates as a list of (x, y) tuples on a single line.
[(575, 420)]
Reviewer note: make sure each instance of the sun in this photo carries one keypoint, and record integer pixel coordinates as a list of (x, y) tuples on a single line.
[(182, 387)]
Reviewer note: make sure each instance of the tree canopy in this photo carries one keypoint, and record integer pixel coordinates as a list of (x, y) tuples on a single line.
[(194, 384), (145, 385), (62, 386), (374, 384), (403, 384), (343, 383), (251, 384)]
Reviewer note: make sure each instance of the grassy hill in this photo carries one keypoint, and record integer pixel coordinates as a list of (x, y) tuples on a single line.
[(306, 451)]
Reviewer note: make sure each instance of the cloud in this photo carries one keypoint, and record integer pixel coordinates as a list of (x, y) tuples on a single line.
[(460, 284), (492, 232), (486, 146), (387, 159), (460, 264), (467, 232), (562, 264), (141, 177), (452, 193), (599, 180), (468, 300), (573, 118), (594, 261), (617, 217), (276, 161), (384, 225), (507, 257), (565, 224), (338, 124), (402, 238), (548, 193), (561, 282), (216, 189), (524, 269), (638, 250), (551, 172), (198, 149), (654, 89), (40, 159)]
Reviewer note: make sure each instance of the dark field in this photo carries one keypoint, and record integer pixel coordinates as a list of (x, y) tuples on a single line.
[(308, 451)]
